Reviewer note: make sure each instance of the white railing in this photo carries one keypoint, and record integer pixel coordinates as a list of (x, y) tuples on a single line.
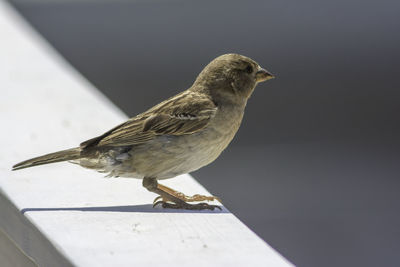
[(63, 215)]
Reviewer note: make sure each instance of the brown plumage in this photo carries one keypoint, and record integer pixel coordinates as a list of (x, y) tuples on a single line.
[(182, 114), (179, 135)]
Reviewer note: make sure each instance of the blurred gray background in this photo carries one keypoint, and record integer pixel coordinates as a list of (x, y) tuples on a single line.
[(314, 169)]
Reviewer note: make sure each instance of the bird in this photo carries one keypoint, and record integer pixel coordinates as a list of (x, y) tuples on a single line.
[(177, 136)]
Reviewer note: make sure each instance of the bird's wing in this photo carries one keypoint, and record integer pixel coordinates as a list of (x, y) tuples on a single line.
[(183, 114)]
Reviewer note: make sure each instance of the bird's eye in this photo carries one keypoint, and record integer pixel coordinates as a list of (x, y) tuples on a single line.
[(249, 69)]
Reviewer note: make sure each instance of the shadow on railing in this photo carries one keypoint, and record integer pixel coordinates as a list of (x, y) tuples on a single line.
[(132, 208)]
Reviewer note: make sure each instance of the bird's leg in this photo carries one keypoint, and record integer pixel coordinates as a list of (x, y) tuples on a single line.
[(168, 195)]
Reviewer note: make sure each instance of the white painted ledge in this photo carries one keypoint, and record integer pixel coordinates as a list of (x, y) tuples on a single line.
[(64, 215)]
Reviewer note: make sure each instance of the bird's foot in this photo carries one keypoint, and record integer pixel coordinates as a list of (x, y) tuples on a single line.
[(170, 198), (184, 205), (193, 198), (197, 197)]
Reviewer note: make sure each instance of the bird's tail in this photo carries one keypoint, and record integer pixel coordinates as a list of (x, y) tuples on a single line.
[(69, 154)]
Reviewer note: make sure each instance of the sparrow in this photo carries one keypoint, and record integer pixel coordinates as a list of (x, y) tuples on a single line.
[(177, 136)]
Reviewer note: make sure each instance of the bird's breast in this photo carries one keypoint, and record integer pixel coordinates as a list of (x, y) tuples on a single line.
[(203, 147)]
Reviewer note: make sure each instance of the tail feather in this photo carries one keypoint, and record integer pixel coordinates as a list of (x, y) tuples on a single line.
[(69, 154)]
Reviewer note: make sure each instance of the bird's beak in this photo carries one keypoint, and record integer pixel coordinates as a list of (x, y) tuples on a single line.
[(263, 75)]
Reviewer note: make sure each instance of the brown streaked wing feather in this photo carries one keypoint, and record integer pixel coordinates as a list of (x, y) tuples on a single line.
[(185, 113)]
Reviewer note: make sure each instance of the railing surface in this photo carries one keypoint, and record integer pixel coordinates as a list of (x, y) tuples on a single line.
[(63, 215)]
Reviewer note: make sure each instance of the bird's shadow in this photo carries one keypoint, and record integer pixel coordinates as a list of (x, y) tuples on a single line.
[(132, 208)]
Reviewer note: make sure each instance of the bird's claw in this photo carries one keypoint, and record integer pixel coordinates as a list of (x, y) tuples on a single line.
[(156, 199)]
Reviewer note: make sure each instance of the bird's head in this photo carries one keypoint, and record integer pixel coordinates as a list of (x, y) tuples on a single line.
[(232, 76)]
